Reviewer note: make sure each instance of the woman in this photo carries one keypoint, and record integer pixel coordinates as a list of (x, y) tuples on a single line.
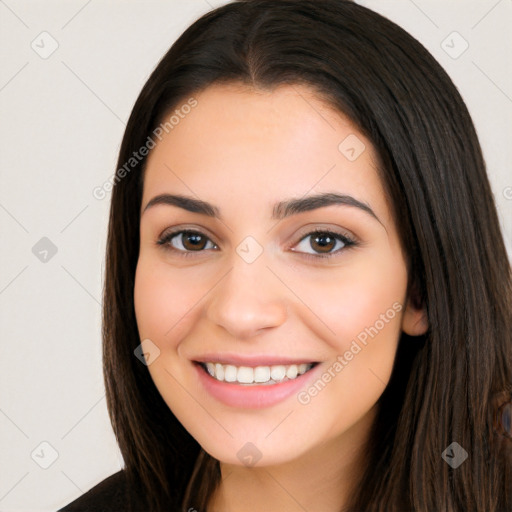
[(308, 300)]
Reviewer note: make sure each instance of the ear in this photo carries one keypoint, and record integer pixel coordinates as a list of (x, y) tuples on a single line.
[(414, 319)]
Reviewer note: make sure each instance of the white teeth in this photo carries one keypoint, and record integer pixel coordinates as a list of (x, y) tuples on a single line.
[(292, 371), (211, 369), (245, 375), (230, 373), (219, 372), (261, 373), (257, 375), (277, 372)]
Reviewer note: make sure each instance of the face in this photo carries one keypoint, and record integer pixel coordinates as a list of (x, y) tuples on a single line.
[(295, 308)]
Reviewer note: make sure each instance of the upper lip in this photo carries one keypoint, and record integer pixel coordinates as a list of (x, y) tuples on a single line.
[(251, 360)]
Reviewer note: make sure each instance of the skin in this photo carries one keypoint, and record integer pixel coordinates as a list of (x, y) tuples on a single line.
[(227, 151)]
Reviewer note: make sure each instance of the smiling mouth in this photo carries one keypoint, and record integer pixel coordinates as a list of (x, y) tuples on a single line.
[(255, 375)]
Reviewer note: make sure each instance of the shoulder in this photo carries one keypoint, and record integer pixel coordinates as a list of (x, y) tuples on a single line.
[(108, 496)]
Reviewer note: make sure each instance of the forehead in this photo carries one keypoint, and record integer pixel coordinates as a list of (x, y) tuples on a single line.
[(262, 143)]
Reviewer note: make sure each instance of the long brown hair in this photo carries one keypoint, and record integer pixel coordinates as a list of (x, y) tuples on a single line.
[(447, 385)]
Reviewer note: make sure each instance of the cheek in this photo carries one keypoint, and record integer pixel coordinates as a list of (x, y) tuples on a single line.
[(164, 302), (364, 308), (361, 301)]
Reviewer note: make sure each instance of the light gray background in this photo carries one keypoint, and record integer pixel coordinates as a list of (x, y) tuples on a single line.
[(62, 119)]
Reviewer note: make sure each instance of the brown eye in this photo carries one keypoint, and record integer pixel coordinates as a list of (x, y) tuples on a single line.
[(193, 241), (186, 241), (323, 244)]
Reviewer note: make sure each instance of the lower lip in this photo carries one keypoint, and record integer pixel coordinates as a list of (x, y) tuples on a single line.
[(252, 397)]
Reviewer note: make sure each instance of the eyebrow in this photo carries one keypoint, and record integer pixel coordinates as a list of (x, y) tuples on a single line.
[(281, 210)]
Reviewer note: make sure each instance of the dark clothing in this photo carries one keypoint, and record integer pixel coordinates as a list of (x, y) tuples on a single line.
[(108, 496)]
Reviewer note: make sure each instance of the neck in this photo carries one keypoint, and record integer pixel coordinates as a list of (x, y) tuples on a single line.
[(321, 479)]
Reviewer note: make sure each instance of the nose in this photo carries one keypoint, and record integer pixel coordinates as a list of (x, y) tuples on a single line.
[(247, 299)]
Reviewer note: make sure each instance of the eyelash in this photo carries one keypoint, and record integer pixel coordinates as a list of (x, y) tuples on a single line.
[(348, 242)]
